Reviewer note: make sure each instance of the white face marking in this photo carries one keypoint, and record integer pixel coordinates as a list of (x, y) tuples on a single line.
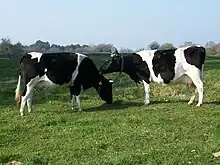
[(36, 55), (45, 70)]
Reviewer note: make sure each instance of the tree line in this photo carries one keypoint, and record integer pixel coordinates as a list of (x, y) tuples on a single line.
[(7, 49)]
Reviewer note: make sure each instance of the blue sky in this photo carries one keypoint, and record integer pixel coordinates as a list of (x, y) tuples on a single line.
[(123, 23)]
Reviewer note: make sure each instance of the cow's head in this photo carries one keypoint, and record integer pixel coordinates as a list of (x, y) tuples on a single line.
[(113, 64), (105, 90)]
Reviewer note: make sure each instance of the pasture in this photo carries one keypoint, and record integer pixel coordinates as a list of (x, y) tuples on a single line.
[(168, 131)]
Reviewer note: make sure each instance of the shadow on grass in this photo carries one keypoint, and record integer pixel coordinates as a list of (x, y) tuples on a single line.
[(117, 105), (120, 105), (155, 102), (213, 102)]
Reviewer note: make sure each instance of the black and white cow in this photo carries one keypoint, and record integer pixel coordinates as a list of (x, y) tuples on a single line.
[(174, 66), (74, 70)]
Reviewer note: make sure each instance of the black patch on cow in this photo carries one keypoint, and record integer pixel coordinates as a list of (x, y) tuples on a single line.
[(28, 68), (136, 68), (195, 56), (86, 78), (164, 64), (60, 66), (133, 65)]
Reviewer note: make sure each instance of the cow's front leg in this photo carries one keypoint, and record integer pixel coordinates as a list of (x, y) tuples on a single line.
[(75, 93), (78, 103), (73, 101), (147, 93)]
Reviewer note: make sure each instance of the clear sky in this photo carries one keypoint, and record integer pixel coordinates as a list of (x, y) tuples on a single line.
[(123, 23)]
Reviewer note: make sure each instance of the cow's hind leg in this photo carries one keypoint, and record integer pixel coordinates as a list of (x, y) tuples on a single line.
[(25, 98), (196, 79), (192, 99), (27, 95)]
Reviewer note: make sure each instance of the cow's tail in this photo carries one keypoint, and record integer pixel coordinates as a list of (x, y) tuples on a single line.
[(203, 58), (18, 88), (18, 91)]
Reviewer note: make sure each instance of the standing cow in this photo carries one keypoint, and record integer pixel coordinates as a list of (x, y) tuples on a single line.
[(74, 70), (171, 66)]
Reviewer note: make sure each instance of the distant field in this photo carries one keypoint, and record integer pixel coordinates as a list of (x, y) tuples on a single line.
[(168, 131)]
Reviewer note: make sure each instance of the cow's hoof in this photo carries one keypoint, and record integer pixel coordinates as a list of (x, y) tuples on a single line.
[(198, 105), (74, 109), (146, 102), (190, 102)]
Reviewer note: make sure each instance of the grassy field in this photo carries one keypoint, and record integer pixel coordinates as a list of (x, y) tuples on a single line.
[(167, 132)]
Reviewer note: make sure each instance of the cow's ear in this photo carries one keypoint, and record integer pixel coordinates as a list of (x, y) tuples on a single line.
[(114, 52)]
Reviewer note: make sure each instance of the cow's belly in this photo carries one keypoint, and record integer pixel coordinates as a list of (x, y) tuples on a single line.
[(57, 78)]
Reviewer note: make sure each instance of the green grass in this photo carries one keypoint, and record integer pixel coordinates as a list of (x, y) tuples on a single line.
[(168, 131)]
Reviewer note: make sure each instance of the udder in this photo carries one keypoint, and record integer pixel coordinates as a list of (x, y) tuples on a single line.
[(185, 79)]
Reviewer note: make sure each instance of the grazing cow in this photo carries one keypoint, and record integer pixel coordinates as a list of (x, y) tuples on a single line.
[(173, 66), (74, 70)]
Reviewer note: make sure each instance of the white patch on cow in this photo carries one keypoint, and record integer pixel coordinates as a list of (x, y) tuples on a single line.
[(185, 73), (79, 60), (147, 56), (36, 55), (45, 70)]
